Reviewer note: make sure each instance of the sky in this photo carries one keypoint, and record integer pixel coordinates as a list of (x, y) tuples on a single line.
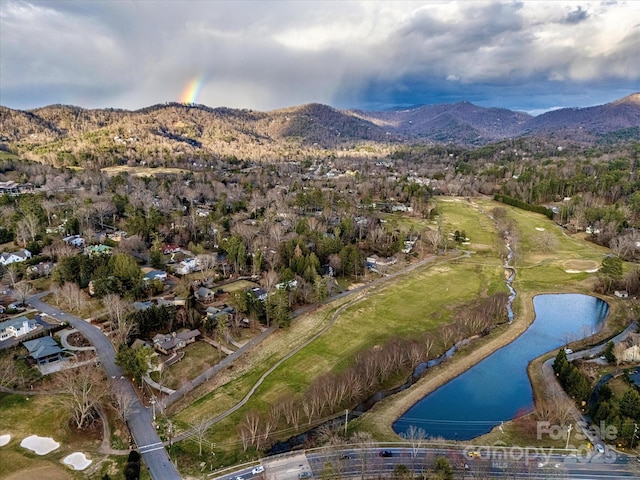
[(532, 56)]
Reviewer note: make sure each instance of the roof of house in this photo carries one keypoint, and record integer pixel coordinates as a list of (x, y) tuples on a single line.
[(23, 253), (142, 305), (204, 292), (42, 347), (99, 248), (153, 274), (14, 322), (169, 341)]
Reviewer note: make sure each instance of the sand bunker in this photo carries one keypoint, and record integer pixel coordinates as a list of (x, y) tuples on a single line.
[(540, 229), (4, 439), (77, 461), (579, 266), (40, 445)]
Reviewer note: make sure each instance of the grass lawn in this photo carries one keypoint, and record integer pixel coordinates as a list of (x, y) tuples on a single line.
[(466, 216), (141, 171), (41, 415), (543, 271), (239, 285), (199, 356), (407, 307)]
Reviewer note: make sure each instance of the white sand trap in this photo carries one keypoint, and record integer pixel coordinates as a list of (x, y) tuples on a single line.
[(40, 445), (573, 271), (77, 461), (4, 439), (540, 229), (593, 270)]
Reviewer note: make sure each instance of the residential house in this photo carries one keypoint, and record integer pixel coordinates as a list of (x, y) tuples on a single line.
[(258, 293), (290, 285), (74, 241), (42, 269), (12, 188), (205, 295), (631, 352), (16, 327), (621, 294), (95, 250), (155, 275), (169, 343), (217, 313), (186, 266), (408, 246), (117, 236), (9, 188), (15, 257), (170, 248), (142, 305), (44, 350), (375, 261)]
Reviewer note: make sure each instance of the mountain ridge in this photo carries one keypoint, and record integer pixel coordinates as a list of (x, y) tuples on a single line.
[(172, 128)]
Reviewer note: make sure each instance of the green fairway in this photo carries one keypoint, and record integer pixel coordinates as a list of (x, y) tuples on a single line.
[(408, 307)]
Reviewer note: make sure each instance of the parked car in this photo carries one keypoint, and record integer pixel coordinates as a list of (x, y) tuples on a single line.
[(345, 456), (258, 469), (305, 475), (599, 448), (568, 351), (385, 453)]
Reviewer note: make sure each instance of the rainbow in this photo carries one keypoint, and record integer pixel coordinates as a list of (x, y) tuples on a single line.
[(191, 91)]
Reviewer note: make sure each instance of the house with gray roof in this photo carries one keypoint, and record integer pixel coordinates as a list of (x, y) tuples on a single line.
[(44, 350), (171, 342), (15, 257), (205, 295)]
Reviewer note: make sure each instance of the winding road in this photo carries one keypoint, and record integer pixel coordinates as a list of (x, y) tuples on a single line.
[(139, 418)]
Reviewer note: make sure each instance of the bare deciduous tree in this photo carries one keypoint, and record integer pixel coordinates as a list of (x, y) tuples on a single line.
[(84, 389), (71, 295), (117, 310), (200, 427), (23, 290)]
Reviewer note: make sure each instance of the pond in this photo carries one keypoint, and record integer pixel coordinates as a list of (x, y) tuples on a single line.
[(498, 388)]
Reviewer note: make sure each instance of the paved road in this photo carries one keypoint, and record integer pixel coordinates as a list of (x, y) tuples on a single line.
[(550, 378), (139, 419), (490, 462)]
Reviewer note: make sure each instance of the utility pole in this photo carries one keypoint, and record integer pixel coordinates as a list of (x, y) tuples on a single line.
[(635, 430), (346, 420), (568, 435)]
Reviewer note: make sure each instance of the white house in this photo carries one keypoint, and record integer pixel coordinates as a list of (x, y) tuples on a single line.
[(74, 241), (290, 285), (186, 266), (15, 257), (16, 327)]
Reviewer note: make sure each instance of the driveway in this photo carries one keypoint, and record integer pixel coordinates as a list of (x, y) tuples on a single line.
[(139, 419)]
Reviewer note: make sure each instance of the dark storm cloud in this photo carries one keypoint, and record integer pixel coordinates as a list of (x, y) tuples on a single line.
[(576, 16), (266, 55)]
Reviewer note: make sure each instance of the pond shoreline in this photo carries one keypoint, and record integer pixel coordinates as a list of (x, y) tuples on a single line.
[(392, 408)]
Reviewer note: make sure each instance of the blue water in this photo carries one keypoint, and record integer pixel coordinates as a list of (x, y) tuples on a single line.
[(498, 389)]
